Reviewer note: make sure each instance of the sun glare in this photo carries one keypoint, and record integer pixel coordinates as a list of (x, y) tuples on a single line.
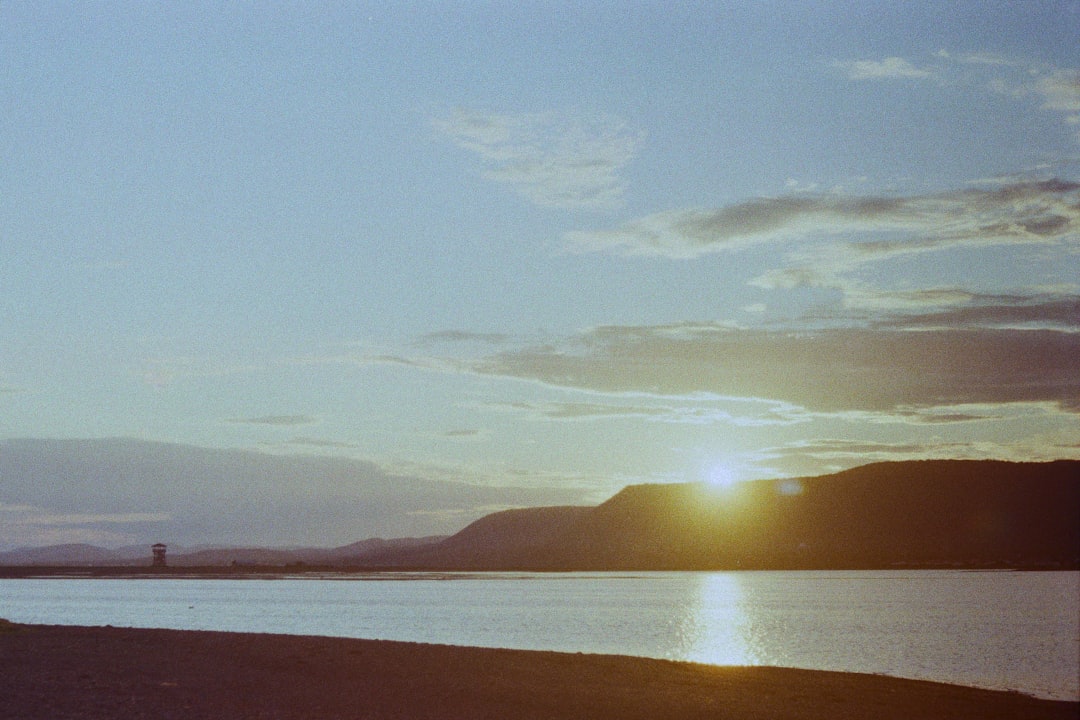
[(722, 475)]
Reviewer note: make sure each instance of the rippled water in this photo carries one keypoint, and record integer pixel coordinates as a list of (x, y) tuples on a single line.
[(1009, 630)]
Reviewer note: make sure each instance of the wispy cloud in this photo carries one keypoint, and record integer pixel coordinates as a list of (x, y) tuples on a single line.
[(164, 371), (463, 336), (366, 357), (94, 518), (690, 409), (826, 239), (463, 433), (833, 370), (9, 508), (1021, 212), (553, 160), (588, 411), (1058, 88), (1062, 313), (1027, 412), (890, 68), (822, 455), (980, 58), (460, 515), (284, 420), (320, 443), (34, 526)]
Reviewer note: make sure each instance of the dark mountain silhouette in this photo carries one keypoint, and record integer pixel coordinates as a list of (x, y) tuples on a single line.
[(507, 539), (948, 513), (903, 514)]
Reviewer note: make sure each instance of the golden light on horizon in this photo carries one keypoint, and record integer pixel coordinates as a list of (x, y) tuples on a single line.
[(722, 475)]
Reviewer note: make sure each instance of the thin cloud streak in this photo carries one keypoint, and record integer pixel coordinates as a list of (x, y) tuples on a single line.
[(814, 457), (692, 409), (1060, 91), (1061, 313), (463, 336), (1040, 212), (463, 433), (828, 370), (566, 162), (281, 420), (991, 412), (95, 518), (890, 68), (320, 443), (1057, 87)]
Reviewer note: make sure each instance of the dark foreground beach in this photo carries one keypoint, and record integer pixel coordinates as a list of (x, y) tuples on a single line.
[(76, 672)]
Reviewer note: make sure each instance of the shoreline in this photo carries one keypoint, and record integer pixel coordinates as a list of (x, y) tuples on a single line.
[(242, 572), (49, 671)]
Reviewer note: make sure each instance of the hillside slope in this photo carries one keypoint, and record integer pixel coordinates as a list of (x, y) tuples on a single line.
[(908, 514)]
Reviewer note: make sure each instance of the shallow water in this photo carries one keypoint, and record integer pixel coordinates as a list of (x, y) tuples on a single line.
[(1003, 630)]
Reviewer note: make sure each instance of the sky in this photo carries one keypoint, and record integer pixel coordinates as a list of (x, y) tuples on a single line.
[(545, 244)]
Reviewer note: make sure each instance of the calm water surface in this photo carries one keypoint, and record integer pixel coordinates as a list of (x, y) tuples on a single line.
[(1006, 630)]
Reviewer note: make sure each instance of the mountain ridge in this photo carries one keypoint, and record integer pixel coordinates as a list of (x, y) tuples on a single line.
[(933, 513)]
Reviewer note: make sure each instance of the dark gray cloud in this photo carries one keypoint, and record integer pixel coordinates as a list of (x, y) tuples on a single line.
[(1060, 312), (832, 370), (1017, 212)]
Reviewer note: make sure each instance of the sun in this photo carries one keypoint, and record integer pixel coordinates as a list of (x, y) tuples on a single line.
[(721, 475)]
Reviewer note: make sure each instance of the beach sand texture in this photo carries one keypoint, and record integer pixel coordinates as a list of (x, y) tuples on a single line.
[(52, 672)]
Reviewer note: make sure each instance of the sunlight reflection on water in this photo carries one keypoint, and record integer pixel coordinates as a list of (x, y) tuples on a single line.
[(719, 623), (1005, 630)]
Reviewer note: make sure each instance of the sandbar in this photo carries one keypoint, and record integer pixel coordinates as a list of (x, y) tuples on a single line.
[(58, 672)]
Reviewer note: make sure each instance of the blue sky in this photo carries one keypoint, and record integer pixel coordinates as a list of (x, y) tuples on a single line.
[(545, 244)]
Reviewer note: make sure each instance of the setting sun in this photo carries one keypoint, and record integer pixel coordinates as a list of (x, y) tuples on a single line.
[(722, 475)]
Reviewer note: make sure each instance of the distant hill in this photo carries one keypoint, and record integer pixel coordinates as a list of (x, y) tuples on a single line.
[(947, 513), (82, 555), (904, 514), (352, 553), (508, 539), (198, 496)]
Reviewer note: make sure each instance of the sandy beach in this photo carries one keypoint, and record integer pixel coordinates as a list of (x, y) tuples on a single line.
[(53, 672)]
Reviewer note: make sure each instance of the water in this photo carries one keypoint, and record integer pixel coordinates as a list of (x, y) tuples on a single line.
[(1003, 630)]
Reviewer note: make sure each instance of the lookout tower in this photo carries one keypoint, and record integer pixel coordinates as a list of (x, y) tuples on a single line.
[(159, 554)]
